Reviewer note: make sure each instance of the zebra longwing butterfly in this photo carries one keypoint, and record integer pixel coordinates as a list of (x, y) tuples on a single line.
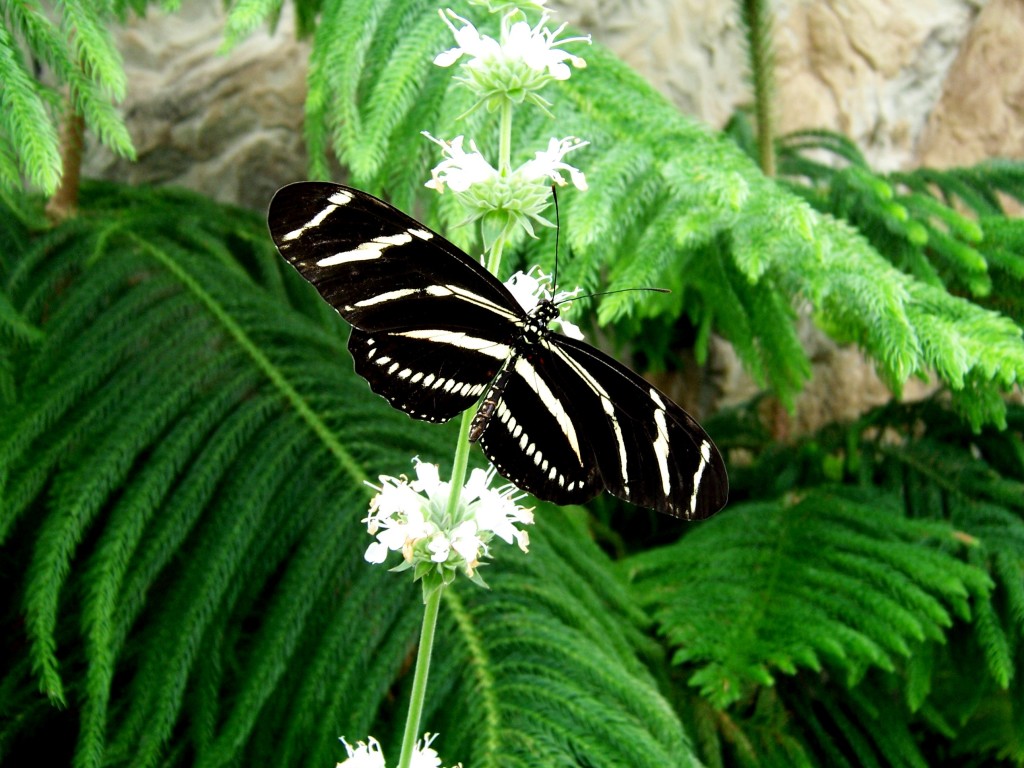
[(433, 332)]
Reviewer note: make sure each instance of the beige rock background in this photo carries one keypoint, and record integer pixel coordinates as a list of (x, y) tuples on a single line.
[(227, 125), (937, 82), (981, 109)]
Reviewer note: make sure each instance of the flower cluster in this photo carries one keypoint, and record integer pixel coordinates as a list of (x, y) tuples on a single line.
[(368, 754), (504, 72), (516, 66), (521, 194), (412, 517)]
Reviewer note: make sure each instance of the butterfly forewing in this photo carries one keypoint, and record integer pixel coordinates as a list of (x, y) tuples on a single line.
[(373, 263), (434, 332), (416, 302)]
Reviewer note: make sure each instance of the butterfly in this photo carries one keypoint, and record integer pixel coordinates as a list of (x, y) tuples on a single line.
[(434, 333)]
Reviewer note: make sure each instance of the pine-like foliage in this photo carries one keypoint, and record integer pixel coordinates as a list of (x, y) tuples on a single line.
[(948, 228), (670, 204), (72, 45), (877, 622), (183, 447), (182, 456)]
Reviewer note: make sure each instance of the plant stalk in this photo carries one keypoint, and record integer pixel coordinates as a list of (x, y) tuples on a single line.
[(419, 681), (64, 202), (757, 19)]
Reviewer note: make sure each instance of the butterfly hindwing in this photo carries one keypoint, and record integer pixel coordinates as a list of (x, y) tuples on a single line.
[(415, 375), (603, 427), (651, 452), (536, 437)]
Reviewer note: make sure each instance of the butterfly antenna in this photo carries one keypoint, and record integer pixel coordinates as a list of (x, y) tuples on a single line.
[(554, 276), (617, 290), (558, 230)]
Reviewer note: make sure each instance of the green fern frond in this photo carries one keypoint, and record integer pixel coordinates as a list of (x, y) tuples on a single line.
[(868, 727), (870, 594), (8, 163), (812, 139), (79, 51), (14, 326), (965, 690), (404, 71), (931, 223), (245, 16), (101, 117), (93, 46), (24, 121)]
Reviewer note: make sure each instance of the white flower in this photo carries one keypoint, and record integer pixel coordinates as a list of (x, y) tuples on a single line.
[(529, 290), (412, 517), (517, 65), (536, 47), (470, 42), (364, 755), (370, 756), (397, 517), (424, 755), (533, 46), (520, 196), (459, 169), (548, 163), (467, 543)]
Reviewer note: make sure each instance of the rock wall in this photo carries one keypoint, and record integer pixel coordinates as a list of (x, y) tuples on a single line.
[(227, 125), (980, 112), (872, 69)]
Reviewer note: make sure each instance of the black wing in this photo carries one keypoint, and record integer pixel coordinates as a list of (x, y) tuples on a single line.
[(431, 327), (431, 330), (572, 421)]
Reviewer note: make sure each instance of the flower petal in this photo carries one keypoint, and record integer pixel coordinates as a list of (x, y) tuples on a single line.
[(449, 57), (376, 553)]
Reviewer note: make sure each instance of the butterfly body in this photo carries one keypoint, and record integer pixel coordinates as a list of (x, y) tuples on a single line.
[(434, 333)]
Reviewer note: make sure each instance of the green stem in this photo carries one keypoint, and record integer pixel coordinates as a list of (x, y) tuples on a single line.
[(419, 681), (756, 16), (459, 464), (505, 139), (494, 257), (432, 599)]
